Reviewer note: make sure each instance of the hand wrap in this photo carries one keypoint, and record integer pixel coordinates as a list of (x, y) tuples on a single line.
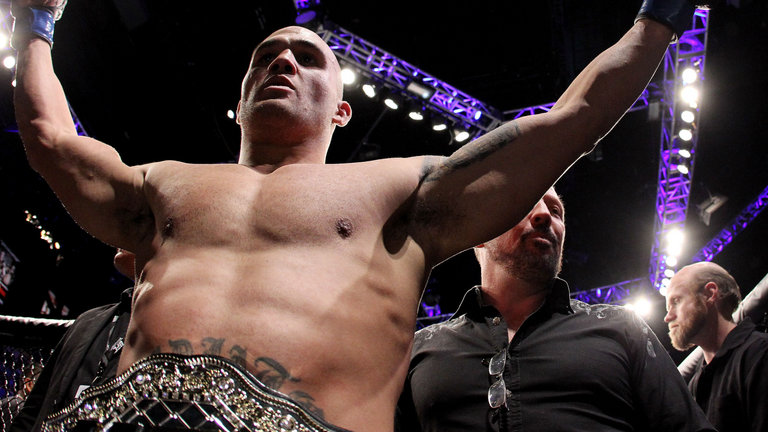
[(675, 14), (35, 19)]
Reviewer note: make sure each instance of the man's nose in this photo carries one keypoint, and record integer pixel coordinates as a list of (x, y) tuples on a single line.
[(284, 63), (540, 215), (669, 316)]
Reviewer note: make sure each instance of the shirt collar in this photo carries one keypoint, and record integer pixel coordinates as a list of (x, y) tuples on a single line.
[(558, 299), (737, 336)]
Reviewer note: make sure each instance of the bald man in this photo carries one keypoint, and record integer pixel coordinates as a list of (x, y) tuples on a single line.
[(281, 290), (731, 380)]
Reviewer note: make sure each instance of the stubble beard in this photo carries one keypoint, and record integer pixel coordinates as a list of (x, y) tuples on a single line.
[(539, 267), (681, 336)]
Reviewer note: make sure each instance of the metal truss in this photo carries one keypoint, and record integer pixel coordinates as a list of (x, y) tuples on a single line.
[(736, 226), (410, 81), (611, 293), (674, 179), (650, 94)]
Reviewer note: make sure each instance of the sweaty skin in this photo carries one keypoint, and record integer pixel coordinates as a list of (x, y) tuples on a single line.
[(309, 274)]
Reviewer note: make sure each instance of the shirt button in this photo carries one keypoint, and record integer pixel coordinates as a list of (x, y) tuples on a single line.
[(496, 320)]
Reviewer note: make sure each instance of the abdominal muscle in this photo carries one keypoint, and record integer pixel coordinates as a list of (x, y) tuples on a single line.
[(321, 327)]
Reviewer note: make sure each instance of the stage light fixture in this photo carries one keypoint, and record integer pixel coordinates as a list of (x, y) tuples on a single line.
[(710, 206), (416, 115), (640, 306), (460, 135), (675, 239), (419, 90), (688, 116), (348, 76), (439, 125), (391, 103), (685, 153), (685, 134), (690, 95), (9, 61), (369, 90), (671, 261), (669, 273), (689, 75), (664, 288), (680, 168), (230, 114)]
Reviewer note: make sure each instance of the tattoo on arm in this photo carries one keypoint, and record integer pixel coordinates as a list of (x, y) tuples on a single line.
[(472, 153), (272, 373), (181, 346)]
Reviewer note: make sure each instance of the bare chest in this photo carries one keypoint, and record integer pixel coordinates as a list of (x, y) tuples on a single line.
[(231, 203)]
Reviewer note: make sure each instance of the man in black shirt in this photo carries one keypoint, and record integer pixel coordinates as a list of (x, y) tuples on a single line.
[(520, 355), (730, 382), (87, 354)]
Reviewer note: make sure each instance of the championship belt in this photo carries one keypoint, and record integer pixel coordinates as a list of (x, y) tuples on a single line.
[(168, 392)]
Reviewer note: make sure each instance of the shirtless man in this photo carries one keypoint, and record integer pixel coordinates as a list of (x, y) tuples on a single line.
[(309, 275)]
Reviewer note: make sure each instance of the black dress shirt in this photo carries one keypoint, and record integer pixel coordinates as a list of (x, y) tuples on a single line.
[(570, 367), (733, 388)]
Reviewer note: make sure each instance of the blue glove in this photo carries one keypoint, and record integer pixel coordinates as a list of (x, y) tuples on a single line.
[(675, 14)]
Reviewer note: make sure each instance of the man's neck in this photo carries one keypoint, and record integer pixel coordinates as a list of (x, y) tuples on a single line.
[(268, 158), (712, 345), (515, 299)]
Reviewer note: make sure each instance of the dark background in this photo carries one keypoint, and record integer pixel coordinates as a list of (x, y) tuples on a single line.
[(156, 78)]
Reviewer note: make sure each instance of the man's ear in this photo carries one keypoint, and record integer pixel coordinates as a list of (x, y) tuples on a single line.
[(343, 114), (710, 292)]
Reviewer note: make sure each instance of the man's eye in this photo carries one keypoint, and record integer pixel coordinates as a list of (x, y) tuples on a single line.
[(265, 59), (306, 59)]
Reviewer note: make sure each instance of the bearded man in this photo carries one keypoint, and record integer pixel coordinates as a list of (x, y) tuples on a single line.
[(731, 379), (519, 354)]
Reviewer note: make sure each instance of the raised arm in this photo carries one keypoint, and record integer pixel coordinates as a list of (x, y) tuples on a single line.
[(489, 184), (100, 192)]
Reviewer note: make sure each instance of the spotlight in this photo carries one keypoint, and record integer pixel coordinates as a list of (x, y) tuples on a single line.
[(640, 306), (663, 290), (669, 273), (689, 75), (416, 115), (681, 168), (3, 41), (684, 153), (439, 125), (675, 239), (391, 103), (709, 206), (690, 95), (230, 114), (9, 61), (688, 116), (419, 90), (460, 135), (348, 76), (477, 115), (369, 90), (685, 134), (671, 261)]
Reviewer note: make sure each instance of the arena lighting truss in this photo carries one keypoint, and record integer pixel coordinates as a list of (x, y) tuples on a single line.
[(683, 77), (408, 80), (734, 227)]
